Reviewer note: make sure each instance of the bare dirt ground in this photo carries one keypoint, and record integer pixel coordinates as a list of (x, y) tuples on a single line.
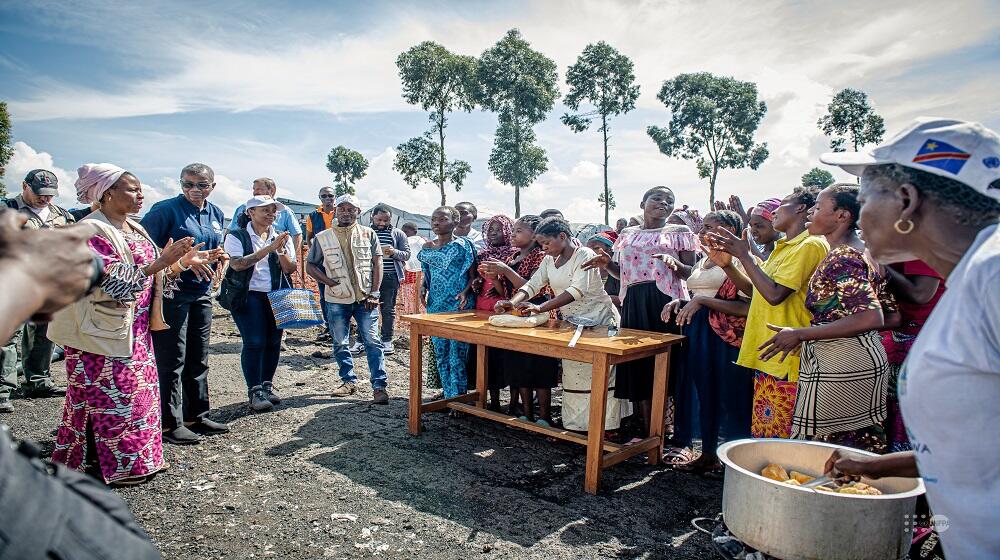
[(323, 477)]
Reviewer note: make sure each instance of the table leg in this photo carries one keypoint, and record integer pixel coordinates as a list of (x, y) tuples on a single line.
[(416, 377), (595, 425), (661, 374), (482, 373)]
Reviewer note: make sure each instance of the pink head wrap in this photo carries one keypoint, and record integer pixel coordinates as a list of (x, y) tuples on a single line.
[(766, 208), (95, 179)]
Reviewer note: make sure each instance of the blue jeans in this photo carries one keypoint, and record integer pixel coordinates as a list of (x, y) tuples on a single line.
[(261, 339), (339, 316)]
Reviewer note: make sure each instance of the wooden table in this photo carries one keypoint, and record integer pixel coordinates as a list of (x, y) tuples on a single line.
[(552, 339)]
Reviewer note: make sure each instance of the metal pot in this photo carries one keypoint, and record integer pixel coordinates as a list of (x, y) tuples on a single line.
[(794, 523)]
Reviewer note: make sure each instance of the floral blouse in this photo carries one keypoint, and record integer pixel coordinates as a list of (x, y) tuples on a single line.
[(634, 252), (845, 283)]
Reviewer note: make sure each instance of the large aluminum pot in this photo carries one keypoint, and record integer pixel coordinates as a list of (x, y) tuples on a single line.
[(794, 523)]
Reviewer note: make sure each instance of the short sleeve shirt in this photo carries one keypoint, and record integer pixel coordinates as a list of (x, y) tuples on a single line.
[(949, 388), (792, 265), (844, 284), (260, 280), (176, 218)]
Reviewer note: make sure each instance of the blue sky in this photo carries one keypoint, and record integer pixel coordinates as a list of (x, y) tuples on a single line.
[(266, 89)]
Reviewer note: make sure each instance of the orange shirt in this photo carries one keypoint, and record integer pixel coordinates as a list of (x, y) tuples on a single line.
[(327, 220)]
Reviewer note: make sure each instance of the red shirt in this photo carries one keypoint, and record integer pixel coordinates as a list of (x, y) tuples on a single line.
[(914, 315)]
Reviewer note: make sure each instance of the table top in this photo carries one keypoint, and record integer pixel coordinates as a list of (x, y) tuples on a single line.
[(555, 333)]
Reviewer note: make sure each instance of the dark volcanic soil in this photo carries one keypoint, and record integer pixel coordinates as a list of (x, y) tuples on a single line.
[(341, 478)]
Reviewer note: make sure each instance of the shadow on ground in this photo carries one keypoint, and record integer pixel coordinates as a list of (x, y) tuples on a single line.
[(505, 482)]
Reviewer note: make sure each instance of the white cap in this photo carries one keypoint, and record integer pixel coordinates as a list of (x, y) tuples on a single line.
[(349, 199), (265, 200), (964, 151)]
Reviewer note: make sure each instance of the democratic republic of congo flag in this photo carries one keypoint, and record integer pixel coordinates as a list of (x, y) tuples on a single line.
[(941, 155)]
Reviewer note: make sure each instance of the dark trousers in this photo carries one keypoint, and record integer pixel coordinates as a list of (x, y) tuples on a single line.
[(261, 339), (182, 358), (387, 293), (322, 304), (36, 357)]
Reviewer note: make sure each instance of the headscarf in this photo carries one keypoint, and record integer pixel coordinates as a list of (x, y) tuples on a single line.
[(606, 237), (766, 208), (690, 218), (504, 251), (95, 180)]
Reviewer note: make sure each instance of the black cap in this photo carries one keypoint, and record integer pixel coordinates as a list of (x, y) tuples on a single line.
[(43, 182)]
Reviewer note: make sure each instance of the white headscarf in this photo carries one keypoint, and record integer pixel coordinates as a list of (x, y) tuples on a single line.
[(95, 179)]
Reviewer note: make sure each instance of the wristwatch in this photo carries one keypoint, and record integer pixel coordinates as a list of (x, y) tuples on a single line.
[(374, 294)]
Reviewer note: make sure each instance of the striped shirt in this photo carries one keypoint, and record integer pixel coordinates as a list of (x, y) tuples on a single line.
[(385, 240)]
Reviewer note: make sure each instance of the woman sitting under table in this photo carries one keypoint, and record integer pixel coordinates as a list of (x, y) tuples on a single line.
[(579, 292)]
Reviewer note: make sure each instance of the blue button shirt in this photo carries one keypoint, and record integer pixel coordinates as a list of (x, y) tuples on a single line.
[(284, 221), (176, 218)]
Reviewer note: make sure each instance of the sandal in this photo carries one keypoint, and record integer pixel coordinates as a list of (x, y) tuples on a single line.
[(699, 466), (678, 456), (541, 422)]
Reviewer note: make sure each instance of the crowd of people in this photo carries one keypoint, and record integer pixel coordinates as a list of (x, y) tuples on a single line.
[(862, 314)]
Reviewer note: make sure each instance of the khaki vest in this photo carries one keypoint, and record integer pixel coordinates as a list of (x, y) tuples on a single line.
[(336, 267), (98, 323)]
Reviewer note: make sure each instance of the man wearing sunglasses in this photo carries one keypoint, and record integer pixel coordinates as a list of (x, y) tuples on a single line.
[(182, 350), (321, 219)]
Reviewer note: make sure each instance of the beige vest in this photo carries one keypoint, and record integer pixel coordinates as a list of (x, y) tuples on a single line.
[(98, 323), (336, 267)]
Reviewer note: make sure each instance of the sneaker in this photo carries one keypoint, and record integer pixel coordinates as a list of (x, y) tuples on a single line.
[(357, 348), (323, 354), (381, 397), (345, 389), (324, 337), (6, 405), (181, 436), (259, 401), (268, 388), (387, 348)]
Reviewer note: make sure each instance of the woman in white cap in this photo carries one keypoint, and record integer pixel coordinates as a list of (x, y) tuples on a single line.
[(933, 193), (111, 419), (259, 259)]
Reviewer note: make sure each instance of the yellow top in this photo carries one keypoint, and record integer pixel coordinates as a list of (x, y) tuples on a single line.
[(792, 265)]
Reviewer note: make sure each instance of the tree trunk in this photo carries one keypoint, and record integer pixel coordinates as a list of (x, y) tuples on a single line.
[(607, 191), (441, 159), (711, 187), (517, 202)]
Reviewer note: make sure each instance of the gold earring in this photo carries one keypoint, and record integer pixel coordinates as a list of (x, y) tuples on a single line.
[(902, 231)]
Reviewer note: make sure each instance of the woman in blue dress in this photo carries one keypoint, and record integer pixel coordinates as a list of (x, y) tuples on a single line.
[(448, 265)]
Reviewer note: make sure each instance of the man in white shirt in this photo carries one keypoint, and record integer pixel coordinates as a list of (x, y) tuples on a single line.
[(467, 214)]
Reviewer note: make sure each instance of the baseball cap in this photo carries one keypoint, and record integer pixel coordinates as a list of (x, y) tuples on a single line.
[(43, 182), (967, 152), (349, 199), (264, 200)]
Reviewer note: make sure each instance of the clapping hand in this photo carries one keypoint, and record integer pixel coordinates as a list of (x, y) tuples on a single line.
[(785, 341), (724, 240), (279, 243), (669, 260), (602, 260)]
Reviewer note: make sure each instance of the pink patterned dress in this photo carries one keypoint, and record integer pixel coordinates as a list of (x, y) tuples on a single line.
[(116, 401)]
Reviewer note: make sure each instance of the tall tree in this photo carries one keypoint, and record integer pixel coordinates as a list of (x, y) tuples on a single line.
[(418, 160), (849, 117), (817, 177), (6, 150), (440, 82), (347, 166), (713, 119), (520, 85), (604, 78)]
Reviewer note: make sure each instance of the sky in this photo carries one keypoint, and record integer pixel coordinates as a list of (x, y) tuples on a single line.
[(268, 88)]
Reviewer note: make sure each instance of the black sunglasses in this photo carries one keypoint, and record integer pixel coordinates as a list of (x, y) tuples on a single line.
[(327, 196), (199, 186)]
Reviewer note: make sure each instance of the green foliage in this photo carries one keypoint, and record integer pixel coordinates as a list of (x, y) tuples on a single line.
[(347, 166), (817, 177), (520, 85), (516, 80), (6, 149), (439, 82), (611, 205), (713, 119), (604, 78), (849, 117), (418, 160)]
